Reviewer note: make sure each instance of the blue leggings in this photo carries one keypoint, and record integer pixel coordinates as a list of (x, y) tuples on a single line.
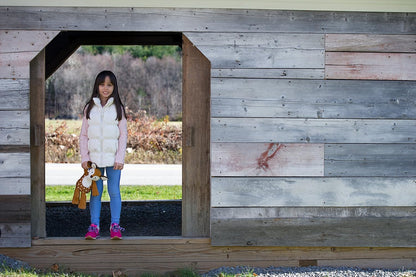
[(113, 186)]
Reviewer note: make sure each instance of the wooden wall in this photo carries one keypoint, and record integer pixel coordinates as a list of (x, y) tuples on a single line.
[(17, 49), (312, 117)]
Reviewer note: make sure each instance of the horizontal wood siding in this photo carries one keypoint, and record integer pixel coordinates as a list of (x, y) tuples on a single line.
[(233, 97), (294, 130), (317, 191), (14, 94), (267, 159), (376, 66), (370, 160), (370, 43), (303, 231)]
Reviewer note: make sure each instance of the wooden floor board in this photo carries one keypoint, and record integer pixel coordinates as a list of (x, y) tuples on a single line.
[(137, 255)]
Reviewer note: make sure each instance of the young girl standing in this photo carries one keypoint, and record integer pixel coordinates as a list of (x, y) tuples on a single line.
[(103, 141)]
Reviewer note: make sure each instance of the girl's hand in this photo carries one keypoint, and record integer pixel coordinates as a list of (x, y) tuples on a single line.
[(118, 166), (84, 165)]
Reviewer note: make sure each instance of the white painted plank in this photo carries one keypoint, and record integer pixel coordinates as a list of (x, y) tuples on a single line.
[(336, 192), (14, 186), (312, 130), (264, 159)]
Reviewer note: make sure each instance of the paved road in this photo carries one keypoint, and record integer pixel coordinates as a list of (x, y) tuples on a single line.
[(132, 174)]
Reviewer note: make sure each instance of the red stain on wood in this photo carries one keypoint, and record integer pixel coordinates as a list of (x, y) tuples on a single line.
[(266, 156)]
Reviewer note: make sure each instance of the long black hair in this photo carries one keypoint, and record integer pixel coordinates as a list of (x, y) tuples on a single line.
[(95, 93)]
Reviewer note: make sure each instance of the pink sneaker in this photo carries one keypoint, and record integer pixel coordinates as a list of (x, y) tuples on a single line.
[(115, 231), (93, 232)]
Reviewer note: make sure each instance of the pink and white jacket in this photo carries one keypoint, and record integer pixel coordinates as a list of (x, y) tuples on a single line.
[(103, 138)]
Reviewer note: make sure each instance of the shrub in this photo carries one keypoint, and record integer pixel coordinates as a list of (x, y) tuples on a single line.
[(149, 141)]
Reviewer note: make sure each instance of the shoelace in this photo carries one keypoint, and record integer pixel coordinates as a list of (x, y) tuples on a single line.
[(117, 228), (92, 229)]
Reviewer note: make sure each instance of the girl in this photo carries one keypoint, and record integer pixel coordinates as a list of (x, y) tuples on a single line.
[(103, 141)]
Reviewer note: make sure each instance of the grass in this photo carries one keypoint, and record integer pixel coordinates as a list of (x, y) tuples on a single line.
[(4, 271), (129, 193)]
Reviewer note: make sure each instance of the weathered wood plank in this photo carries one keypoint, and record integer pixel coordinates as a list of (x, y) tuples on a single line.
[(205, 20), (15, 209), (14, 165), (196, 142), (15, 235), (347, 231), (264, 159), (303, 191), (14, 94), (312, 98), (13, 41), (260, 39), (137, 255), (370, 43), (370, 160), (247, 57), (370, 263), (15, 65), (14, 186), (312, 130), (374, 66), (37, 145), (310, 212), (269, 73), (14, 127)]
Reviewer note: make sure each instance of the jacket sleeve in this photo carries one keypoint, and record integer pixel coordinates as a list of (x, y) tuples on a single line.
[(83, 140), (122, 141)]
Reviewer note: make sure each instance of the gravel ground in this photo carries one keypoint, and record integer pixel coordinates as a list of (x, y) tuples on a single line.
[(312, 271)]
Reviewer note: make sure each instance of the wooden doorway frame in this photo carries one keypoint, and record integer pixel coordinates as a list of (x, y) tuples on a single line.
[(196, 120)]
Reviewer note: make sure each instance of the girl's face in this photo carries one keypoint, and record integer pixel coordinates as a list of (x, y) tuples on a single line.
[(105, 89)]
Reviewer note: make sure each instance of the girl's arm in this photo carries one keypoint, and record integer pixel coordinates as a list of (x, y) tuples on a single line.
[(83, 142), (122, 141)]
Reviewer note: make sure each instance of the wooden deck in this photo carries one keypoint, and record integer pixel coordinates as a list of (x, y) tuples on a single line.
[(136, 255)]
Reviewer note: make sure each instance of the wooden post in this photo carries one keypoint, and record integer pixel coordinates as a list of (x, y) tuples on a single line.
[(196, 142), (37, 144)]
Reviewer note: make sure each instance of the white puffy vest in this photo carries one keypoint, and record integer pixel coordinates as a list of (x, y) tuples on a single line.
[(103, 133)]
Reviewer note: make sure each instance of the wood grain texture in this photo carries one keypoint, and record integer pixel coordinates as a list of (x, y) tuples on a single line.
[(374, 66), (14, 165), (258, 40), (264, 159), (14, 94), (196, 138), (303, 191), (248, 57), (14, 128), (291, 130), (15, 235), (14, 41), (15, 65), (336, 232), (269, 73), (15, 186), (370, 160), (136, 255), (14, 209), (205, 20), (312, 98), (370, 43), (37, 145)]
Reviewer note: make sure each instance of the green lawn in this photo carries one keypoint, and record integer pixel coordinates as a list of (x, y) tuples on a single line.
[(148, 192)]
